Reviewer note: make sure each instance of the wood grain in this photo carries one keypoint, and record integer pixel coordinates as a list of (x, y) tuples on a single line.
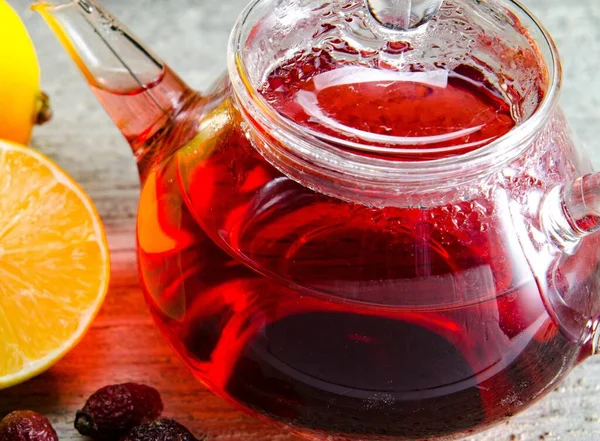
[(123, 344)]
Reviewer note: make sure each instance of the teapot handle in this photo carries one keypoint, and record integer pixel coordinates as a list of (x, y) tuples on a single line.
[(569, 213), (572, 211)]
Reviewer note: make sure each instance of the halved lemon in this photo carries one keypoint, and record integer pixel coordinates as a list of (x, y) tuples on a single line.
[(54, 263)]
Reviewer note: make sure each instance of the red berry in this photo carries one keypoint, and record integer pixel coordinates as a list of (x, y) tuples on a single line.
[(114, 410), (25, 425), (161, 430)]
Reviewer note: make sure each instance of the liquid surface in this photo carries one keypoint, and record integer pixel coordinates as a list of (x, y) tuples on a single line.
[(440, 112)]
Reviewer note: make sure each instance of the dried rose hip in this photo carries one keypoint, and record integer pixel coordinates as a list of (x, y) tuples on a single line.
[(161, 430), (25, 425), (114, 410)]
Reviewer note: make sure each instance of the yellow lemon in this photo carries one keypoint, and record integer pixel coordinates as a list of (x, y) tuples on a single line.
[(22, 104), (54, 263)]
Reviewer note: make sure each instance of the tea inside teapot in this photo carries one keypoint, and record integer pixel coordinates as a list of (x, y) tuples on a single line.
[(450, 112)]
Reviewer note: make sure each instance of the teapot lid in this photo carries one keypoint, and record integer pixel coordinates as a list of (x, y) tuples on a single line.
[(395, 77)]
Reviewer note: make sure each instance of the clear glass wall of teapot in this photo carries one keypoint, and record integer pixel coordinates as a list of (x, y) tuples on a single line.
[(375, 226)]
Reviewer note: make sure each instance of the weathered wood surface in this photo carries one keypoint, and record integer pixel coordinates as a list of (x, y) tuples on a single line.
[(123, 345)]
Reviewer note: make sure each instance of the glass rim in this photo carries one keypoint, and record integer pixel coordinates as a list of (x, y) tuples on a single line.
[(313, 151)]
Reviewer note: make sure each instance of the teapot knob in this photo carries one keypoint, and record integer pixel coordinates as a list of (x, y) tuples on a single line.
[(402, 15)]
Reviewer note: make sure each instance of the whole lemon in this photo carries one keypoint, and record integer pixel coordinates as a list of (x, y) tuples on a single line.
[(22, 104)]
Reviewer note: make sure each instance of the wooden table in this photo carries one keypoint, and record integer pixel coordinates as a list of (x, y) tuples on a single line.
[(123, 345)]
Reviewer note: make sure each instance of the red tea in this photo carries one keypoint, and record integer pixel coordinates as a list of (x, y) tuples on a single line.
[(338, 318), (444, 112)]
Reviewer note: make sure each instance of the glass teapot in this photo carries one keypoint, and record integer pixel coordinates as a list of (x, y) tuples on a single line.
[(375, 226)]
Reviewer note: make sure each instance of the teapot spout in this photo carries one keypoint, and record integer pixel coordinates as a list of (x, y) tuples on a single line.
[(139, 92)]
